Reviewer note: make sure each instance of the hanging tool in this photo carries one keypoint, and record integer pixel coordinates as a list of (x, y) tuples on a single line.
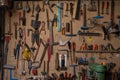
[(38, 9), (23, 19), (106, 34), (111, 24), (66, 10), (15, 24), (74, 49), (71, 31), (17, 52), (51, 43), (59, 18), (67, 27), (11, 68), (57, 61), (27, 7), (80, 33), (33, 7), (63, 43), (43, 72), (77, 7), (92, 6), (42, 57), (107, 7), (98, 12), (35, 23), (70, 50), (19, 5), (84, 27), (49, 6), (47, 14), (102, 7), (23, 72), (74, 71), (71, 9)]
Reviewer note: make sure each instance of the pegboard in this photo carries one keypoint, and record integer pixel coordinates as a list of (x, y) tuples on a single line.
[(77, 24)]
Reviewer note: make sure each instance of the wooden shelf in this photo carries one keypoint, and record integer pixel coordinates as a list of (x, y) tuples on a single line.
[(96, 51)]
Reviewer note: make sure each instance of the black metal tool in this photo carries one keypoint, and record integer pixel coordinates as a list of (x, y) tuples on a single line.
[(23, 19), (38, 9), (77, 9), (80, 33), (35, 23), (106, 34), (27, 7), (84, 27), (33, 6), (47, 13)]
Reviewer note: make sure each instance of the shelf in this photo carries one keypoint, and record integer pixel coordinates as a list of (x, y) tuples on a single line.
[(96, 51)]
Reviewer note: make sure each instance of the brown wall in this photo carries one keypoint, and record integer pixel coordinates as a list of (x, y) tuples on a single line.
[(115, 41)]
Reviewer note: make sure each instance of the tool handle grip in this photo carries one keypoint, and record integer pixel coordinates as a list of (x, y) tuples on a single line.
[(103, 4)]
